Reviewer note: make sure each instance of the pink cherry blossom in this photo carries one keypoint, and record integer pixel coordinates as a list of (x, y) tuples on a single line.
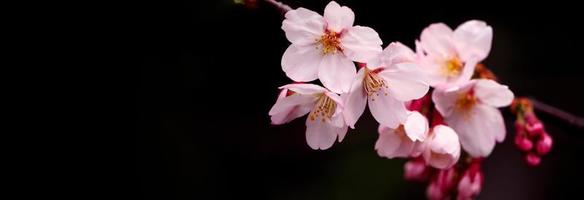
[(405, 140), (385, 84), (442, 148), (325, 47), (471, 110), (324, 108), (449, 56)]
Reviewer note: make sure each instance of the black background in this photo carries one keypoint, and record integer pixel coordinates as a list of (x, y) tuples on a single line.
[(208, 73)]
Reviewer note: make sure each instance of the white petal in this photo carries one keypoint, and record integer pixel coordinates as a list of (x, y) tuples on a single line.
[(445, 140), (395, 53), (305, 88), (406, 82), (436, 39), (322, 135), (493, 93), (288, 103), (356, 100), (300, 63), (445, 98), (288, 114), (474, 39), (387, 143), (303, 26), (361, 44), (443, 148), (432, 71), (416, 127), (387, 110), (338, 18), (478, 129), (336, 72), (466, 74)]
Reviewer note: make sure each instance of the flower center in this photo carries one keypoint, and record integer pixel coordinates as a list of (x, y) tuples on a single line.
[(330, 42), (325, 108), (466, 101), (372, 84), (452, 67)]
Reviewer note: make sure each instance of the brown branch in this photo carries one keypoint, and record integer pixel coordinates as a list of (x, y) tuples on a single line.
[(556, 112), (280, 6)]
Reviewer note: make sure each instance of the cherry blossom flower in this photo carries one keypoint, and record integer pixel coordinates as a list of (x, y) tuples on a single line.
[(325, 47), (471, 110), (385, 84), (404, 141), (442, 148), (324, 108), (450, 57)]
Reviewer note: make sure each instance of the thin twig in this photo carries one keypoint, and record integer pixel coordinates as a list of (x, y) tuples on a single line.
[(570, 118), (281, 6)]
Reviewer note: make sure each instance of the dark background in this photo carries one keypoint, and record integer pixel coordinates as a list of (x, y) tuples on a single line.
[(208, 73)]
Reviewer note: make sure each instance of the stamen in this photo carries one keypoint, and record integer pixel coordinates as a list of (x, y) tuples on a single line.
[(466, 102), (453, 67), (330, 42), (372, 84), (325, 108)]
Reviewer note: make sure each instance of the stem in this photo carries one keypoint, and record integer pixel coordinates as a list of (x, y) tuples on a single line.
[(556, 112), (280, 6)]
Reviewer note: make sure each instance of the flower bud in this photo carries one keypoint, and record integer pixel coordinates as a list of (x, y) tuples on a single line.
[(523, 143), (544, 144), (532, 159)]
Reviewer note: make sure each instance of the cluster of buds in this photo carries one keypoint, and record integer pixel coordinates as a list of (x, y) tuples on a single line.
[(463, 181), (531, 137)]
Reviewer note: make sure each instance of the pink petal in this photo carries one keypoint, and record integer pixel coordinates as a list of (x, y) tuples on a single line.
[(338, 18), (322, 135), (436, 39), (444, 98), (303, 26), (387, 110), (396, 53), (416, 127), (443, 148), (336, 73), (474, 40), (467, 72), (405, 82), (478, 129), (391, 145), (356, 100), (361, 44), (432, 71), (493, 93), (305, 88), (300, 63), (287, 115), (291, 107)]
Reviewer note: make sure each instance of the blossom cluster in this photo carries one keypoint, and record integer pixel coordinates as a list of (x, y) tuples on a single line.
[(428, 104)]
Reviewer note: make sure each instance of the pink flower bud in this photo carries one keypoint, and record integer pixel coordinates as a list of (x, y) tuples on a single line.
[(544, 145), (416, 170), (470, 185), (523, 143), (433, 192), (534, 130), (532, 159)]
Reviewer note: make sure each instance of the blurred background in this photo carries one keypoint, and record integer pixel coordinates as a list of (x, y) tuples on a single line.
[(208, 74)]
